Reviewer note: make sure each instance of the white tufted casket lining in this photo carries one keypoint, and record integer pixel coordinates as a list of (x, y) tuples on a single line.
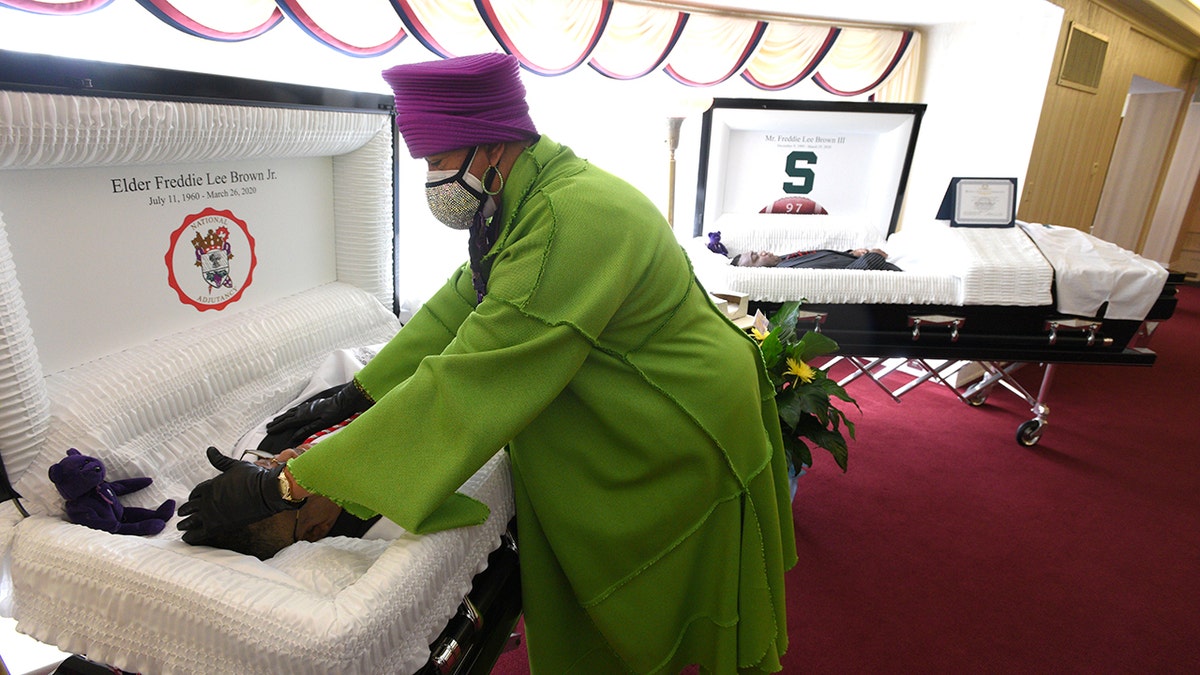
[(941, 266)]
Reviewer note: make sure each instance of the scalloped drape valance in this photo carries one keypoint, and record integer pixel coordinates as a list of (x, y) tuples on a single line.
[(620, 39)]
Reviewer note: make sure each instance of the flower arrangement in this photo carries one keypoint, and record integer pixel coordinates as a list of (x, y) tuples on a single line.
[(803, 393)]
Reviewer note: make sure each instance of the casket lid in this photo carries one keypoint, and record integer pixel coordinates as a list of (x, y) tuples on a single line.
[(61, 232), (41, 73), (766, 161)]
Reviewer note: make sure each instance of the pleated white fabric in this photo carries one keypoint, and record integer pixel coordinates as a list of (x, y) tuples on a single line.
[(363, 216), (941, 266), (47, 130), (1005, 268), (24, 406), (152, 409), (157, 605)]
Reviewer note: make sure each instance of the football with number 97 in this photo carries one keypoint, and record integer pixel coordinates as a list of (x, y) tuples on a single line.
[(798, 205)]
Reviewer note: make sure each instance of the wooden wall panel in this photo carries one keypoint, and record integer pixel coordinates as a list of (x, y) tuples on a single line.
[(1078, 130)]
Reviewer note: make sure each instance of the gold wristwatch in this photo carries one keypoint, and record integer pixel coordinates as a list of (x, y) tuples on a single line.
[(285, 489)]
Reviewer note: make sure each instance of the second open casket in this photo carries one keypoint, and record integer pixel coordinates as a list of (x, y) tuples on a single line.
[(791, 176)]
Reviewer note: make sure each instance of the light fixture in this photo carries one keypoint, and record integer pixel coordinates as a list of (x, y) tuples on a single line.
[(677, 111)]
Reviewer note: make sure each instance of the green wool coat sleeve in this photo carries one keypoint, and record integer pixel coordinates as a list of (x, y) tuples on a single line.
[(386, 462), (427, 332)]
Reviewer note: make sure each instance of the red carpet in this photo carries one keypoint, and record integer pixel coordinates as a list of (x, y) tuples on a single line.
[(949, 548)]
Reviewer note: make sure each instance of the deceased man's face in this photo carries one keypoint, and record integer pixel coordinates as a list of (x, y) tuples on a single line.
[(758, 259)]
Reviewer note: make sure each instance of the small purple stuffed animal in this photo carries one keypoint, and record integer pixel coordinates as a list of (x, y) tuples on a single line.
[(715, 245), (92, 501)]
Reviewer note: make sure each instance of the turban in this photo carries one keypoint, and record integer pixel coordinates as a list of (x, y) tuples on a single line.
[(459, 103)]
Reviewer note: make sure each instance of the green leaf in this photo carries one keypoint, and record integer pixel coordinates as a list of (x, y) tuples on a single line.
[(835, 444), (771, 349), (797, 450), (814, 401), (832, 388), (786, 315), (841, 393), (813, 344), (809, 428), (790, 407)]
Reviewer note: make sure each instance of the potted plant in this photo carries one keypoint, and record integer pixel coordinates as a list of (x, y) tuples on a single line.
[(804, 394)]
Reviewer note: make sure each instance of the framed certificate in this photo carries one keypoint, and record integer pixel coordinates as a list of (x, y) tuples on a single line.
[(980, 202)]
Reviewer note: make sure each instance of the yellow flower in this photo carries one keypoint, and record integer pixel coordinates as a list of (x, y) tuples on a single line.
[(758, 334), (801, 370)]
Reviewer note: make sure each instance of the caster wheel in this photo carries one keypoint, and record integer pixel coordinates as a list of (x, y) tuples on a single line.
[(978, 399), (1029, 433)]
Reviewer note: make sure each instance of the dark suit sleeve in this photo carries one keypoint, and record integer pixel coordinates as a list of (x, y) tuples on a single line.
[(837, 260), (872, 261), (824, 260)]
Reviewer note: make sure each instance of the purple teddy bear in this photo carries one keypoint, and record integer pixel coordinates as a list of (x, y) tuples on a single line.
[(92, 501), (715, 245)]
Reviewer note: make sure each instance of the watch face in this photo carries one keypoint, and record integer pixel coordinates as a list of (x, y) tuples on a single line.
[(285, 489)]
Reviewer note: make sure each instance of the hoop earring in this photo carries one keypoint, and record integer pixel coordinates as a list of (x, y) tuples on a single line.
[(492, 170)]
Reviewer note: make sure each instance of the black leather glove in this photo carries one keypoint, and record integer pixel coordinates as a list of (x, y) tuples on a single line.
[(242, 494), (305, 419)]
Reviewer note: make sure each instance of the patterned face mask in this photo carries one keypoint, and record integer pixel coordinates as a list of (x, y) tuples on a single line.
[(454, 196)]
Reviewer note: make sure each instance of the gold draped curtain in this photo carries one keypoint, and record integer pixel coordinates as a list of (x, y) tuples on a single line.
[(618, 39)]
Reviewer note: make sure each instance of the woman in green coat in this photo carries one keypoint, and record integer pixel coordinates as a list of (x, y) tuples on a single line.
[(650, 481)]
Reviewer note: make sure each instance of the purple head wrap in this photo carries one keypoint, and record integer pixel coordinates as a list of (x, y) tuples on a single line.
[(459, 103)]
